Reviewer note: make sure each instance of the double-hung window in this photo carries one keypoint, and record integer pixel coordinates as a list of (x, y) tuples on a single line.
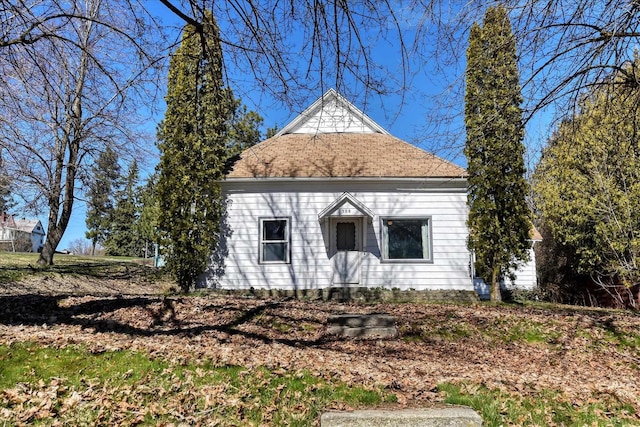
[(275, 240), (406, 239)]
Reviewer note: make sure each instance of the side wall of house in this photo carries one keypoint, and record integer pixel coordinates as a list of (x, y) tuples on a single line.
[(526, 278), (311, 266), (37, 237), (15, 240)]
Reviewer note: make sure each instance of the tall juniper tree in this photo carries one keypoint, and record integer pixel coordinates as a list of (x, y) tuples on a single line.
[(192, 140), (499, 219)]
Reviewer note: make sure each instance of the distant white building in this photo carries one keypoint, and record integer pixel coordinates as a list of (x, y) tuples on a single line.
[(20, 235)]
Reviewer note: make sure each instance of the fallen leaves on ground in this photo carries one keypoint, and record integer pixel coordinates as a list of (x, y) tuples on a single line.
[(580, 353)]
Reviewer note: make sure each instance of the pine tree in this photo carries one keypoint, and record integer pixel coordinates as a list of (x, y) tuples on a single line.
[(122, 238), (145, 227), (243, 130), (499, 219), (271, 132), (105, 177), (192, 143)]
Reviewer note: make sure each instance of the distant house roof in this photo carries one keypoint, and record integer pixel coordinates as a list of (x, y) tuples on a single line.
[(28, 225), (332, 138)]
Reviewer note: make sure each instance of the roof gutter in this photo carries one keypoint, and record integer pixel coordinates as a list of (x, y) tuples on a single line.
[(345, 179)]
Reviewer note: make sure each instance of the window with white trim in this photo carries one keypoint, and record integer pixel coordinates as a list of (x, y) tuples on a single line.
[(406, 239), (275, 238)]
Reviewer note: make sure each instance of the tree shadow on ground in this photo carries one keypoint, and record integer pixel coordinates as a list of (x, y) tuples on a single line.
[(151, 316)]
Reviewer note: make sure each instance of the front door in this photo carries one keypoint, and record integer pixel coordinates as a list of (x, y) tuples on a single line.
[(346, 248)]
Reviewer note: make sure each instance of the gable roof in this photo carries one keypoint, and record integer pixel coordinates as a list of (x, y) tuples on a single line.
[(29, 225), (332, 138), (345, 200)]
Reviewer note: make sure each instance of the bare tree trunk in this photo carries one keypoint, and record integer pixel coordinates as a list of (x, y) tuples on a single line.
[(58, 225), (69, 144), (496, 295), (76, 70), (50, 245)]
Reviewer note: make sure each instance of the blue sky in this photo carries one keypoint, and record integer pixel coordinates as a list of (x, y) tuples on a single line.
[(406, 117)]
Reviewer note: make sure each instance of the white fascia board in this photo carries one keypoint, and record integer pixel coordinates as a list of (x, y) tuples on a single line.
[(336, 184), (345, 179)]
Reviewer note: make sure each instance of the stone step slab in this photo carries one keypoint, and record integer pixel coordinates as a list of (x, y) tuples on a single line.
[(362, 325), (429, 417), (362, 320)]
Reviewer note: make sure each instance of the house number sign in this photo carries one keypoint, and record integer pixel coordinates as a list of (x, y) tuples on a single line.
[(345, 211)]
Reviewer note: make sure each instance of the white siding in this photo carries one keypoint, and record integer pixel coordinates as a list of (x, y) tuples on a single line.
[(525, 278), (333, 117), (311, 267), (37, 237), (526, 275), (24, 231)]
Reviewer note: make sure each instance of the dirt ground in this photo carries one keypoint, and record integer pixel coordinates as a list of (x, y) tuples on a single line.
[(520, 350)]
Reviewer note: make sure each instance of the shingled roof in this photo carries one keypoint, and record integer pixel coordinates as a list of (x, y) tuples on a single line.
[(332, 138), (340, 155)]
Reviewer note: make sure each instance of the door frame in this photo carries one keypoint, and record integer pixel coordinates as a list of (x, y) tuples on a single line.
[(351, 275), (333, 233)]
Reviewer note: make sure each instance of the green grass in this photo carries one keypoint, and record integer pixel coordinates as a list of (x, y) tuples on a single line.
[(514, 329), (622, 340), (498, 408), (72, 386), (17, 266), (509, 329)]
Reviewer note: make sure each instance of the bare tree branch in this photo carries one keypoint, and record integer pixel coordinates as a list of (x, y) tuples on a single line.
[(69, 92)]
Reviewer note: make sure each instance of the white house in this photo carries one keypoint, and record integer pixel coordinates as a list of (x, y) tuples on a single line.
[(34, 229), (333, 200), (20, 235)]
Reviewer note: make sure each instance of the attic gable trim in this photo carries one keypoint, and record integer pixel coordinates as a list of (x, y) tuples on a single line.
[(345, 197), (317, 105)]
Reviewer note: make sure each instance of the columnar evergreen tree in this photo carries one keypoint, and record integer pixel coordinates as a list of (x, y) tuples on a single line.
[(105, 177), (499, 219), (122, 238), (192, 143)]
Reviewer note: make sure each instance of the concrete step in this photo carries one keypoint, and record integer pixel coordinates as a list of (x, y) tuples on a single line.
[(362, 325), (459, 416)]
